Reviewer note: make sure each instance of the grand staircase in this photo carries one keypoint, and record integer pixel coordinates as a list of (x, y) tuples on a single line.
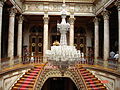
[(92, 82), (28, 80)]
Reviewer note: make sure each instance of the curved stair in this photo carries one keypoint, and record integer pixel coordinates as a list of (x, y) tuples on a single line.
[(91, 81), (27, 81)]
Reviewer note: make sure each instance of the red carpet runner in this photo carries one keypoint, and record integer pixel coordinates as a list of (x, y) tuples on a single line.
[(27, 81), (91, 81)]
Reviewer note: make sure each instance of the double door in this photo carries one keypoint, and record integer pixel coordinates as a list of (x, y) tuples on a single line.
[(36, 45), (80, 43)]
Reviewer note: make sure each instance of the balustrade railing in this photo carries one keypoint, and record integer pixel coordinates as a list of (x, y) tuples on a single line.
[(100, 62), (5, 62), (113, 63)]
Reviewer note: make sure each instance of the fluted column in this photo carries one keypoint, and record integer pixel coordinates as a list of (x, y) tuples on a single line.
[(96, 40), (45, 40), (71, 35), (11, 34), (1, 10), (19, 41), (118, 7), (106, 36)]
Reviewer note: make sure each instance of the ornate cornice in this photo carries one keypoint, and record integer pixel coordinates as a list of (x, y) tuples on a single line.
[(105, 14), (20, 19), (56, 7), (12, 11)]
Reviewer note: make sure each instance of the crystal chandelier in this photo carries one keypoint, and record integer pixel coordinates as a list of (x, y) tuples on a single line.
[(63, 56)]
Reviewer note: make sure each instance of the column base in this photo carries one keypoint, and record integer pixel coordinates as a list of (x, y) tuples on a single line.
[(20, 60), (95, 61), (105, 63), (11, 62), (118, 69), (44, 59)]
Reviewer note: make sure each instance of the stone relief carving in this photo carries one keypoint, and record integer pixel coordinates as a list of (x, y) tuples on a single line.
[(56, 7)]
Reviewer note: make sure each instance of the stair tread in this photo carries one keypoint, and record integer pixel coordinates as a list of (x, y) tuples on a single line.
[(21, 88)]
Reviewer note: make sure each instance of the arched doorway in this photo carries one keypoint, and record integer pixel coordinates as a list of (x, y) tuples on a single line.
[(36, 40), (59, 83)]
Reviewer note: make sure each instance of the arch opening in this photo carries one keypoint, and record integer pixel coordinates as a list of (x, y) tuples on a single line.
[(59, 83)]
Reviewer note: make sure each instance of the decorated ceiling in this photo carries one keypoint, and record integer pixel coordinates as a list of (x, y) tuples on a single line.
[(84, 1)]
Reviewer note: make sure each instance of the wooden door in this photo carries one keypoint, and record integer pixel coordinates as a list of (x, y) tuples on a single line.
[(80, 43), (36, 45)]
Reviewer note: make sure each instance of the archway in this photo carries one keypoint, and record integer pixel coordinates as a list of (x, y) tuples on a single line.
[(59, 83)]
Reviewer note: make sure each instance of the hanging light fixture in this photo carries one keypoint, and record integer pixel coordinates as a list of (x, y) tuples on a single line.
[(63, 55)]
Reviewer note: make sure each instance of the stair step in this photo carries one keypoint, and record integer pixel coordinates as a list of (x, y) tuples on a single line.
[(83, 72), (95, 85), (90, 76), (86, 74), (91, 79), (97, 81), (29, 76), (28, 73), (28, 79), (31, 71), (23, 85), (26, 82), (18, 88), (82, 69), (36, 69), (98, 88)]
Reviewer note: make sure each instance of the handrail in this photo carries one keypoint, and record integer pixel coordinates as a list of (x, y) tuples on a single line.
[(81, 78), (36, 81)]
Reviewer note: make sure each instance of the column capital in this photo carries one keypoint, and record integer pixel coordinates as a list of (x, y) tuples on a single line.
[(105, 14), (96, 20), (1, 3), (117, 3), (20, 19), (46, 19), (12, 11), (71, 20)]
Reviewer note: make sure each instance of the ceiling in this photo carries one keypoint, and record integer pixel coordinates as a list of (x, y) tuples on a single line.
[(81, 1)]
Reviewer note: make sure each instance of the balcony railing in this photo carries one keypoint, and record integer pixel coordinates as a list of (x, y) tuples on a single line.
[(5, 62)]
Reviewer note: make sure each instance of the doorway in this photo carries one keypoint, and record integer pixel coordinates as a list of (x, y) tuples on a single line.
[(59, 83), (36, 41), (80, 39)]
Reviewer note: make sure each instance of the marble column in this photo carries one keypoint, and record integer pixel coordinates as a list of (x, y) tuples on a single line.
[(11, 34), (19, 41), (96, 40), (45, 38), (105, 14), (1, 10), (118, 7), (71, 35)]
